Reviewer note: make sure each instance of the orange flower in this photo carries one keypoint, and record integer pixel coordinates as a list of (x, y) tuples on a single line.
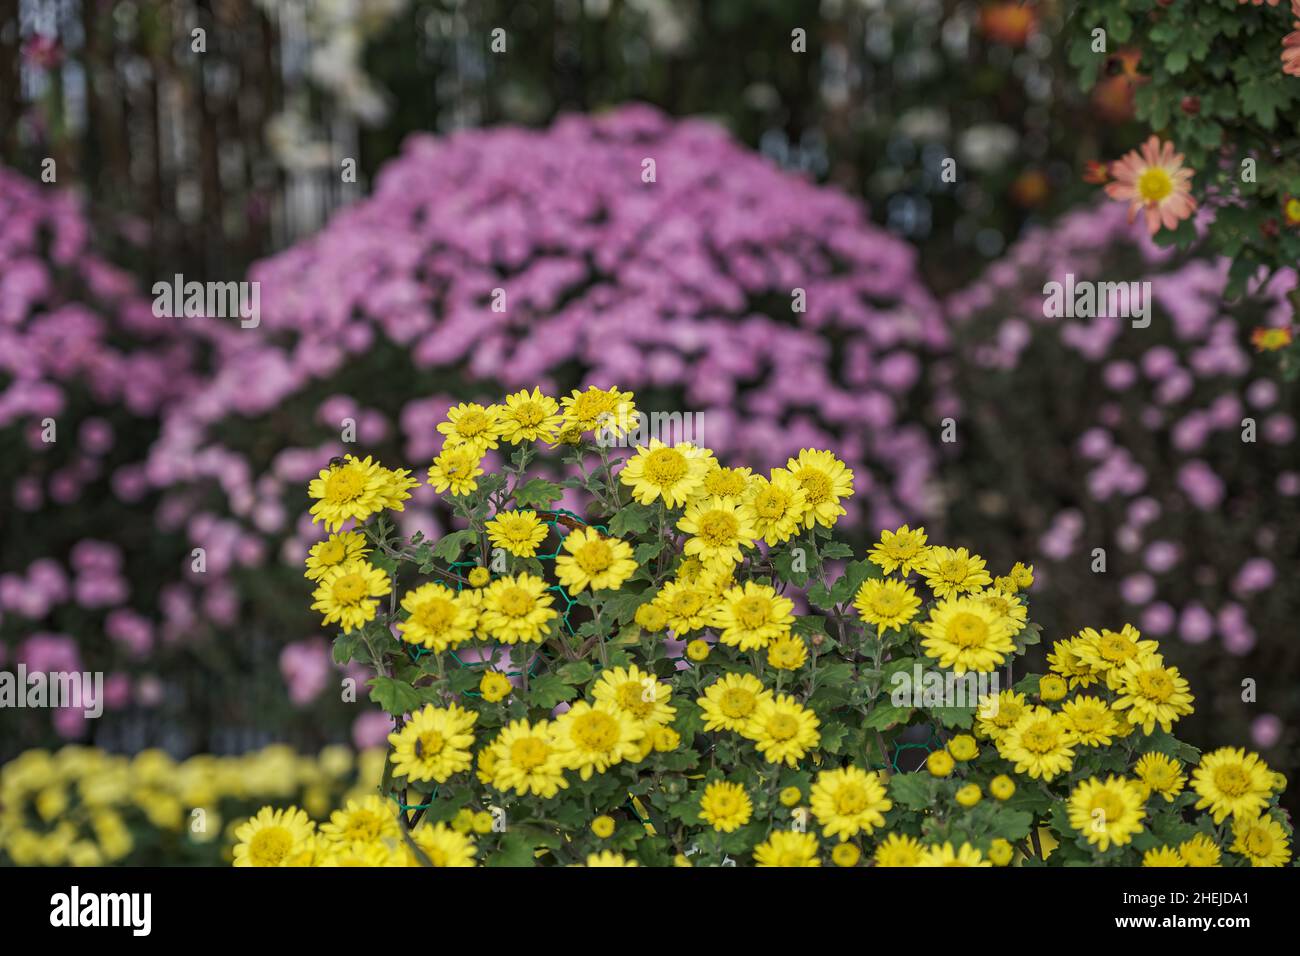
[(1095, 172), (1155, 181), (1267, 339), (1112, 97), (1008, 23)]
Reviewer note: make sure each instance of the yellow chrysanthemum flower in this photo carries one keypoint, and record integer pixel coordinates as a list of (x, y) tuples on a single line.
[(729, 484), (1158, 773), (350, 490), (1231, 781), (274, 838), (495, 686), (335, 550), (687, 606), (787, 848), (719, 530), (848, 801), (825, 481), (783, 730), (529, 416), (396, 490), (363, 821), (963, 747), (1200, 851), (730, 701), (886, 603), (950, 571), (1263, 841), (1090, 719), (651, 616), (434, 744), (591, 739), (1039, 744), (609, 410), (517, 608), (1064, 660), (671, 473), (1107, 650), (998, 713), (1151, 693), (751, 615), (775, 507), (945, 855), (456, 468), (846, 854), (1107, 812), (442, 847), (635, 692), (527, 760), (609, 858), (472, 426), (437, 619), (478, 577), (902, 550), (725, 806), (1163, 857), (1002, 787), (899, 850), (787, 652), (518, 532), (348, 593), (594, 561), (1005, 605), (966, 635)]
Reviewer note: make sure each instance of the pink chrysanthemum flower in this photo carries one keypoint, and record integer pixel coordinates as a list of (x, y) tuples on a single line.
[(1154, 180)]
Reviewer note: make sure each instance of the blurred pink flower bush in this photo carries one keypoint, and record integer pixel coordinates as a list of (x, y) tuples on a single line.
[(1086, 433)]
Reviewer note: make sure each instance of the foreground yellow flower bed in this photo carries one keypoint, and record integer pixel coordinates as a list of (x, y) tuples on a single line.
[(81, 806), (630, 654)]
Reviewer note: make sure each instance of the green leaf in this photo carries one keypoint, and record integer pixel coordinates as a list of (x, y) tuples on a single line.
[(538, 493), (395, 696), (575, 672), (449, 547), (633, 518), (912, 790), (547, 690), (517, 848), (885, 716)]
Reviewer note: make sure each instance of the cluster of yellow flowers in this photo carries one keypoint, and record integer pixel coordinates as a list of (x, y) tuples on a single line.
[(82, 806), (766, 716)]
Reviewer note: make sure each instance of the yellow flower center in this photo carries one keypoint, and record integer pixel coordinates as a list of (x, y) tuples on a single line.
[(1086, 720), (887, 604), (436, 614), (771, 503), (816, 485), (428, 744), (594, 557), (665, 466), (1231, 780), (528, 753), (1041, 737), (968, 630), (1154, 184), (718, 527), (331, 552), (350, 588), (596, 730), (530, 414), (725, 483), (344, 484), (1259, 842), (631, 697), (1116, 647), (589, 406), (1155, 685), (687, 603), (363, 825), (736, 702), (850, 799), (752, 611), (472, 423), (515, 602), (1110, 805), (270, 846), (782, 727)]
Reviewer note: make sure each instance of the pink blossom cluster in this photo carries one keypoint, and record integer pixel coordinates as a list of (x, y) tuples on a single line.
[(1170, 447)]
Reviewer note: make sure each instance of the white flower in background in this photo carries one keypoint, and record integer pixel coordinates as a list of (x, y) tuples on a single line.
[(987, 146), (669, 31), (924, 124)]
